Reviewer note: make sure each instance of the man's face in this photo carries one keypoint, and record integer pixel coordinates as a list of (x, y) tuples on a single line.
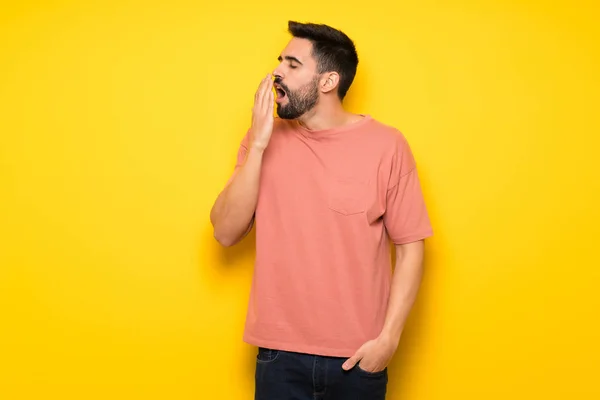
[(296, 80)]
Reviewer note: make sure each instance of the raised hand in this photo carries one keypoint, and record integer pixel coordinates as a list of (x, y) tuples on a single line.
[(262, 114)]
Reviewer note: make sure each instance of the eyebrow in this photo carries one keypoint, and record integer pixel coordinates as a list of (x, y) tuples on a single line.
[(290, 58)]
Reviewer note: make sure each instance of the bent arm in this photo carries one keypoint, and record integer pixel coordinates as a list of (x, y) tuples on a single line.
[(232, 215)]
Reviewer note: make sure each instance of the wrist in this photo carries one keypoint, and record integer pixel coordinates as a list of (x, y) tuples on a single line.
[(258, 147), (389, 337)]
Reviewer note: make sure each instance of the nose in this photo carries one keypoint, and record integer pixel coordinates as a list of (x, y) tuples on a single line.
[(277, 73)]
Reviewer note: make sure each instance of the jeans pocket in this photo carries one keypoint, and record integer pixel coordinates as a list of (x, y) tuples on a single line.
[(375, 374), (266, 355)]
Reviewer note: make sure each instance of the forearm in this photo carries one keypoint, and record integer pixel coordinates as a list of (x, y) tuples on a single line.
[(406, 280), (233, 211)]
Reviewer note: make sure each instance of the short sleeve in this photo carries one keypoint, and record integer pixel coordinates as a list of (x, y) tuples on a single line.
[(406, 218)]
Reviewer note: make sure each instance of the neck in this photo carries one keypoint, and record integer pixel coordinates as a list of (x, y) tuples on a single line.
[(327, 116)]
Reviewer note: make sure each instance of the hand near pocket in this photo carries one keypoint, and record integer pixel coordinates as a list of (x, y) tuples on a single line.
[(373, 356)]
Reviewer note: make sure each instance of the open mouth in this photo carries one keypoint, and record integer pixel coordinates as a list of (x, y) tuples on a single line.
[(280, 93)]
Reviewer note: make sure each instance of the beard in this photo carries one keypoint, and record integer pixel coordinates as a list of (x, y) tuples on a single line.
[(299, 101)]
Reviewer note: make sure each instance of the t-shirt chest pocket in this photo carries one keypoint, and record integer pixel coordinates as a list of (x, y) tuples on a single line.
[(347, 196)]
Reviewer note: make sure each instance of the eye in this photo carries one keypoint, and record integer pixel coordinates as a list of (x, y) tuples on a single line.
[(292, 66)]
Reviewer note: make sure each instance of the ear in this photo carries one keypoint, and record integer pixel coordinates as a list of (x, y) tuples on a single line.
[(330, 82)]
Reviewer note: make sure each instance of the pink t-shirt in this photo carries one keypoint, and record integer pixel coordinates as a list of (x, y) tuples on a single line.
[(327, 202)]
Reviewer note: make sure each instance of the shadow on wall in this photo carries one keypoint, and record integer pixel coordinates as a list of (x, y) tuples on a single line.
[(227, 262), (245, 249), (410, 348)]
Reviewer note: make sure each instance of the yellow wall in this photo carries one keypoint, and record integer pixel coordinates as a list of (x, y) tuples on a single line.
[(119, 124)]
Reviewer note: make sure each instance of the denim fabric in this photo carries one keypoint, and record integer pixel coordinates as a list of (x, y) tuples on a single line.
[(283, 375)]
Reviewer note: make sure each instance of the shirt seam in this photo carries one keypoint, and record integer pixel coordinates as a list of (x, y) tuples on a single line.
[(402, 177)]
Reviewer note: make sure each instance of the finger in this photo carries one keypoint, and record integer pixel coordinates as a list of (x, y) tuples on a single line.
[(268, 94), (269, 106), (267, 88), (263, 90), (259, 91), (351, 362)]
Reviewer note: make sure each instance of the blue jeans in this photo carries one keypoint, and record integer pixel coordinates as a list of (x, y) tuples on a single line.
[(283, 375)]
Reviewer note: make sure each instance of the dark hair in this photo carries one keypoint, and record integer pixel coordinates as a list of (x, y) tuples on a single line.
[(333, 50)]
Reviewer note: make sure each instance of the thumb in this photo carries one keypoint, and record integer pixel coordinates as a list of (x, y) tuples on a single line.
[(351, 362)]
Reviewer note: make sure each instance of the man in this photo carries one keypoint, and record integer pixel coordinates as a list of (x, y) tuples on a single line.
[(328, 190)]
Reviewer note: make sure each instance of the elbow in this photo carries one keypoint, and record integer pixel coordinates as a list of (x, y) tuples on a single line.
[(227, 234), (219, 234), (223, 239)]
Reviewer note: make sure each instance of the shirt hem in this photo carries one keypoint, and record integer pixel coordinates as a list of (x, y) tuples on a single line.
[(299, 348), (412, 238)]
